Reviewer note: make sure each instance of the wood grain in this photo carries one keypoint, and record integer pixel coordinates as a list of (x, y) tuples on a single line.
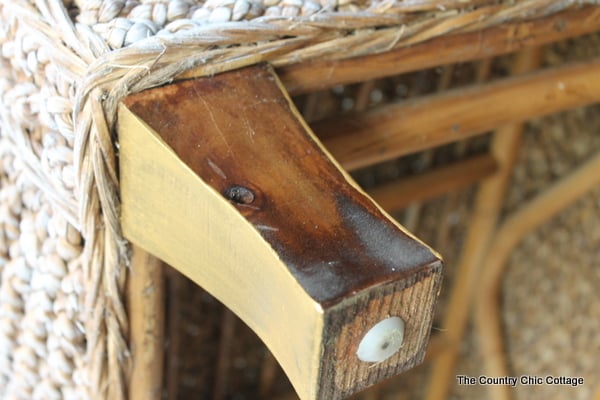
[(409, 126), (222, 179), (294, 196), (446, 49)]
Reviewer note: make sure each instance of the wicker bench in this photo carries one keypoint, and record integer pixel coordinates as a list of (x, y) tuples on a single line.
[(82, 314)]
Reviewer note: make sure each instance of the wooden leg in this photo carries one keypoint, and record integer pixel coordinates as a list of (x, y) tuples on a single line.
[(487, 207), (222, 179), (146, 309)]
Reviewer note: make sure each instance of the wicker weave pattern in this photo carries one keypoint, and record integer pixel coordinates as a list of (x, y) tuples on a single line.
[(63, 69), (41, 344)]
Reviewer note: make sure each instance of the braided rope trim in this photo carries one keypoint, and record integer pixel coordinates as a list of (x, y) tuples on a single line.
[(93, 54)]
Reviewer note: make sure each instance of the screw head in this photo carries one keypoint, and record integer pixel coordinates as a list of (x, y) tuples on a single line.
[(239, 194)]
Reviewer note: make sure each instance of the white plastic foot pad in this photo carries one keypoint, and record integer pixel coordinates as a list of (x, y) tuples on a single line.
[(382, 341)]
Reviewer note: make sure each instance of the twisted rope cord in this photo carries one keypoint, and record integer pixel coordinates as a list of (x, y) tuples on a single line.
[(122, 47)]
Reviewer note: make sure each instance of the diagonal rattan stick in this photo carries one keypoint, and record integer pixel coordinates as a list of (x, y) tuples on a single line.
[(486, 210), (516, 227)]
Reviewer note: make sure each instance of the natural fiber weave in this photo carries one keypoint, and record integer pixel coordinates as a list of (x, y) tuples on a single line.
[(63, 69)]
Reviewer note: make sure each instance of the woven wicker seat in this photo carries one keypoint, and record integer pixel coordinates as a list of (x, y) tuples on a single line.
[(64, 68)]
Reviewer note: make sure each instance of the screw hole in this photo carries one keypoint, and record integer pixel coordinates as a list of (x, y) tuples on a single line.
[(239, 194)]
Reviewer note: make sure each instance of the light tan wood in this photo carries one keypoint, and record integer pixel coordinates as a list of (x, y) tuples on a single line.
[(146, 302), (446, 49), (172, 212), (394, 130), (222, 179), (484, 217), (487, 312)]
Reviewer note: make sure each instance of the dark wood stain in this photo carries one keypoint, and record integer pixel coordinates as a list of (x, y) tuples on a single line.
[(238, 130)]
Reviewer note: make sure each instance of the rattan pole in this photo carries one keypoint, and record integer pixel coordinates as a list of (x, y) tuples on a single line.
[(363, 96), (437, 345), (456, 197), (228, 324), (487, 312), (410, 126), (146, 310), (412, 213), (311, 107), (487, 207), (268, 374), (446, 49), (174, 323), (433, 183), (452, 201)]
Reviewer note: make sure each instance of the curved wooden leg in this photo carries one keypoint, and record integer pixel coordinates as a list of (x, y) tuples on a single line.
[(222, 179)]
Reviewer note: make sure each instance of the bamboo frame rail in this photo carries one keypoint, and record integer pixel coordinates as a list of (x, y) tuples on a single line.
[(487, 308), (402, 128), (146, 295), (228, 322), (433, 183), (486, 210), (447, 49), (173, 321)]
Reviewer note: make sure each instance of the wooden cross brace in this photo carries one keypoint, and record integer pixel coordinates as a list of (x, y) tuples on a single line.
[(222, 179)]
